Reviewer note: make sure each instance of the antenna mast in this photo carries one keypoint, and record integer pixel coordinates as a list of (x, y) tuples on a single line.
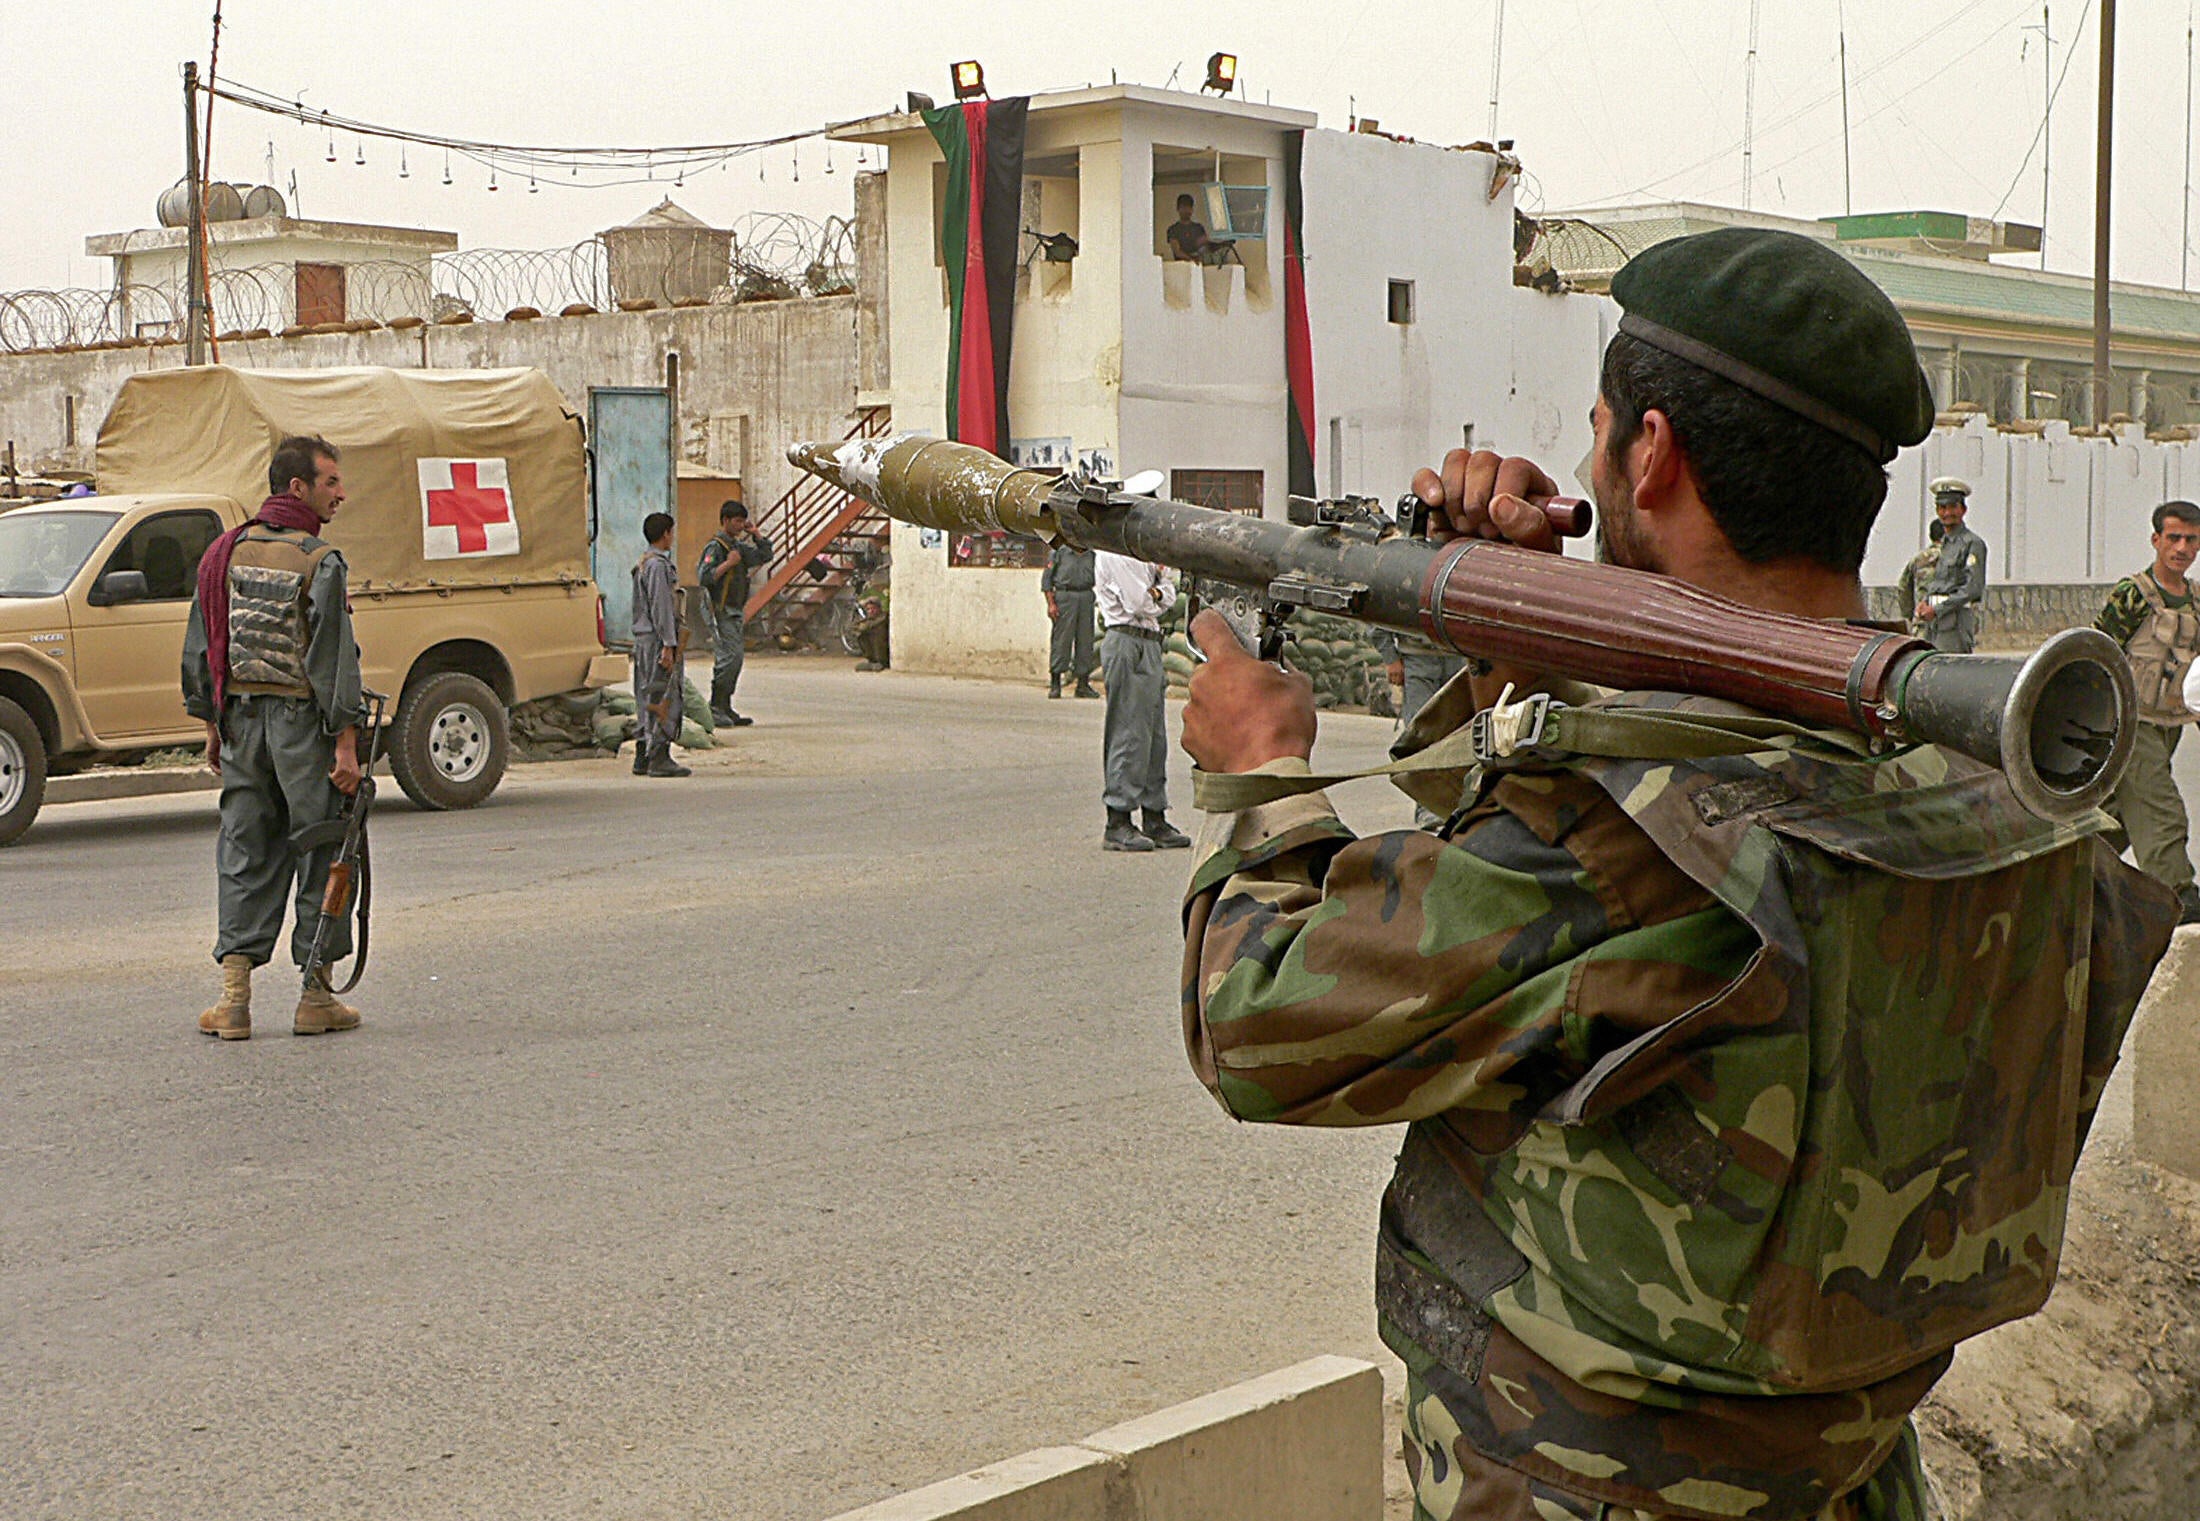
[(1749, 108), (2047, 118), (1848, 200), (1497, 65)]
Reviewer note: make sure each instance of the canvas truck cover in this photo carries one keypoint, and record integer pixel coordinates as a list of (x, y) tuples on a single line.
[(451, 477)]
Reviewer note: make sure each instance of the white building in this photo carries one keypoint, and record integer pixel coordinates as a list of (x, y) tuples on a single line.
[(274, 272), (1133, 360), (2012, 341)]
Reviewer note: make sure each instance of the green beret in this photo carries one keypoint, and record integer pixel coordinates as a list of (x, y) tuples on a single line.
[(1787, 318)]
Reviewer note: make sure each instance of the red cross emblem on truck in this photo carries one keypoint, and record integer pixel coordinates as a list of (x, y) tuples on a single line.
[(469, 507), (466, 509)]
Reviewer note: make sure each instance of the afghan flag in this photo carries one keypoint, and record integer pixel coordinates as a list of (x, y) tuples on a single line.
[(1298, 338), (984, 144)]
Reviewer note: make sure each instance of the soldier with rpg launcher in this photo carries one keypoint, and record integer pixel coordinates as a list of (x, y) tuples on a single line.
[(1720, 1066)]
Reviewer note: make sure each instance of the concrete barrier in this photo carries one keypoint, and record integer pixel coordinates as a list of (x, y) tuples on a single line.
[(101, 786), (2165, 1055), (1301, 1444)]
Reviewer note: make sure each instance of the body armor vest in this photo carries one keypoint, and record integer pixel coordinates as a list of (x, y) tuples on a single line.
[(2161, 650), (270, 574), (1755, 1233)]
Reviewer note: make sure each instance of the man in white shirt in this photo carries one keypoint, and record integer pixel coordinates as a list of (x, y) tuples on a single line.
[(1132, 596)]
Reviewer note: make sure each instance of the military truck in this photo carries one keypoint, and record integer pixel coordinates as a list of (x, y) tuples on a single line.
[(465, 526)]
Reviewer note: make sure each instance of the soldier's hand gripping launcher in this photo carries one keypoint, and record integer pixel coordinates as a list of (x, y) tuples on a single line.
[(2058, 723)]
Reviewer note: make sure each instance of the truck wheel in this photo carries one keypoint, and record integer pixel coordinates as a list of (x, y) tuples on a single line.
[(450, 741), (22, 771)]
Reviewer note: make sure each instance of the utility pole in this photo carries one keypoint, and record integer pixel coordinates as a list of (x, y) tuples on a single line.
[(2184, 225), (1749, 107), (2102, 154), (194, 322)]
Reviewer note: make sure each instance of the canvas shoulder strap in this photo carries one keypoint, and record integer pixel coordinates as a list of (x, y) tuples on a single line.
[(1509, 734)]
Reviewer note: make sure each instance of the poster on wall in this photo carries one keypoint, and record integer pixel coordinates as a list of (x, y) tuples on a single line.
[(1039, 453), (1012, 551)]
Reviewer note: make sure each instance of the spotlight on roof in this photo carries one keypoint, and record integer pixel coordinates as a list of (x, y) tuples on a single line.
[(969, 79), (1221, 74)]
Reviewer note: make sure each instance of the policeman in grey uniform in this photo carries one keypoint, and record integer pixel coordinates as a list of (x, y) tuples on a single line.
[(723, 572), (657, 673), (270, 667), (1066, 583), (1947, 609)]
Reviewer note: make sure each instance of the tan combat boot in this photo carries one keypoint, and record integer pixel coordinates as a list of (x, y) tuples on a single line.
[(319, 1012), (231, 1017)]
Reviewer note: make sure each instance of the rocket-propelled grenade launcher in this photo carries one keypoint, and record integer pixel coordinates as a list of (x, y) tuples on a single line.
[(2058, 723)]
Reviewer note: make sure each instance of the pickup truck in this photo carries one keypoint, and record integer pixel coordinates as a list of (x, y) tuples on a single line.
[(470, 590)]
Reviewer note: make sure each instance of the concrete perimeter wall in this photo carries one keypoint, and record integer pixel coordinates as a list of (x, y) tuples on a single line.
[(2054, 509), (753, 375)]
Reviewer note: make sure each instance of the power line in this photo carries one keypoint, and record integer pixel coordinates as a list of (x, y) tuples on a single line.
[(1893, 104), (2070, 55), (1814, 103)]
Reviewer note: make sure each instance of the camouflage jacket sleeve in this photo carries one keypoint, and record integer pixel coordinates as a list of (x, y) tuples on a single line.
[(2125, 611), (1333, 980)]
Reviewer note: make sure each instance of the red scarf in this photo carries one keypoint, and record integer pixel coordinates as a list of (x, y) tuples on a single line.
[(284, 511)]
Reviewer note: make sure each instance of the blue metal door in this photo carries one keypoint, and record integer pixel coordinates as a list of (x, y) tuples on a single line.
[(630, 476)]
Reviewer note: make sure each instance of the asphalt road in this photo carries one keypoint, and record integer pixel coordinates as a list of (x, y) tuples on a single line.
[(759, 1144)]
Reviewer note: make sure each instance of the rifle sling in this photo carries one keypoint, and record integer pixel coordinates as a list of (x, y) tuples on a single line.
[(362, 901), (1609, 732)]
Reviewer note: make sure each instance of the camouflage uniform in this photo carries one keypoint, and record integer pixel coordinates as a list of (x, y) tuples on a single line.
[(2161, 637), (1738, 1090), (1914, 575)]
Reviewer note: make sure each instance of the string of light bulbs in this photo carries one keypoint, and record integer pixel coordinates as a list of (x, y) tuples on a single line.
[(590, 167)]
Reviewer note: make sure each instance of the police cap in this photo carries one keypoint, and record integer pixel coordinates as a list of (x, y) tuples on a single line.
[(1946, 488), (1787, 318)]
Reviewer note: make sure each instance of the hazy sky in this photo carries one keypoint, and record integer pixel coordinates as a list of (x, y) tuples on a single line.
[(1606, 99)]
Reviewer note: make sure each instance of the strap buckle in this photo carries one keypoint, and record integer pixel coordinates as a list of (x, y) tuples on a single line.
[(1506, 727)]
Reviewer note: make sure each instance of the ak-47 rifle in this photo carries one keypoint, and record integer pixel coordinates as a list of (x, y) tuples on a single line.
[(660, 706), (350, 874), (2058, 723)]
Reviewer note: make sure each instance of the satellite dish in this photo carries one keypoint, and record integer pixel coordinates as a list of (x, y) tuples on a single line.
[(1145, 483)]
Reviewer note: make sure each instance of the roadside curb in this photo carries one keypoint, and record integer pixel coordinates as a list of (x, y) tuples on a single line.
[(1302, 1444), (100, 786)]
